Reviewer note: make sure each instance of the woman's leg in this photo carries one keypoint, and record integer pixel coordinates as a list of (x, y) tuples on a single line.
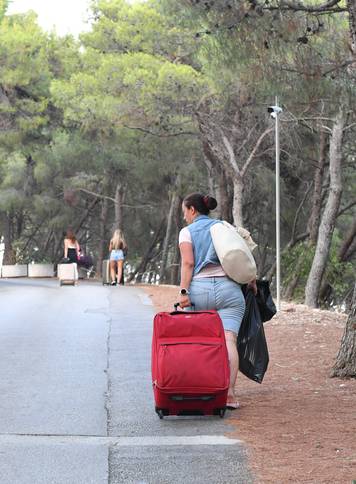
[(120, 265), (231, 339), (113, 270), (231, 307)]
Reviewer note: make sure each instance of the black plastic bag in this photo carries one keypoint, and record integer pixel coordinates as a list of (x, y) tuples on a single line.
[(265, 302), (251, 342)]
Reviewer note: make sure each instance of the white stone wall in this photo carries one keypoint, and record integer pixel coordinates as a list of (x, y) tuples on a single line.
[(16, 270), (40, 270)]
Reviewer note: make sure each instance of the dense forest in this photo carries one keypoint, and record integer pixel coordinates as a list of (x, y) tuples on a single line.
[(165, 97)]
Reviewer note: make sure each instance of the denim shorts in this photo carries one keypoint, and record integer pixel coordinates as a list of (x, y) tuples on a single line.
[(222, 294), (117, 255)]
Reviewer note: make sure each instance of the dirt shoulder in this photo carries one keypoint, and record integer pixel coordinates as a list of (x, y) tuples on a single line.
[(299, 424)]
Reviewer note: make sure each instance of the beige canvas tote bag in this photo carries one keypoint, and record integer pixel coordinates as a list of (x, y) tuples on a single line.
[(233, 252)]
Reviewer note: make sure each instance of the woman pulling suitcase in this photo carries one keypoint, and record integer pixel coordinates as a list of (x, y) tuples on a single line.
[(203, 281), (71, 247)]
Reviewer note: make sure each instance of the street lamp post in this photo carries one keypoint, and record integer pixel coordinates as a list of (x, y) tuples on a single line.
[(274, 112)]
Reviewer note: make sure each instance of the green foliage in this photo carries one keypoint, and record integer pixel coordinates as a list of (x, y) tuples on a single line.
[(3, 7), (297, 260), (128, 89), (340, 275), (119, 107), (25, 79), (11, 199), (13, 170), (23, 56), (122, 27), (63, 55)]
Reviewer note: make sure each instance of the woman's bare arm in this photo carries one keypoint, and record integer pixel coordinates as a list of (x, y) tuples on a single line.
[(65, 248), (187, 266), (77, 248)]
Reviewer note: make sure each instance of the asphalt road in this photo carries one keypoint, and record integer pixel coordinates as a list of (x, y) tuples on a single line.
[(76, 405)]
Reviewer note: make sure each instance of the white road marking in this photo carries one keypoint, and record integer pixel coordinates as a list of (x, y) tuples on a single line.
[(144, 441)]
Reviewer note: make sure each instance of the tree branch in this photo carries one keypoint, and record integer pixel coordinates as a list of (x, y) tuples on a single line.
[(94, 194), (329, 6), (160, 135), (343, 210), (241, 147), (253, 152), (232, 158), (350, 126), (297, 213), (99, 195)]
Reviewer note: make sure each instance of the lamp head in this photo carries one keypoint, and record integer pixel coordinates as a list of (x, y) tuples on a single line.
[(274, 110)]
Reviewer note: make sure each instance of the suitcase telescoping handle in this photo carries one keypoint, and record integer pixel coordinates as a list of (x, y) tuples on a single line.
[(177, 304)]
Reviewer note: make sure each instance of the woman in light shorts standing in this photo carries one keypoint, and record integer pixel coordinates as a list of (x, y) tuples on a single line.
[(118, 250), (203, 281)]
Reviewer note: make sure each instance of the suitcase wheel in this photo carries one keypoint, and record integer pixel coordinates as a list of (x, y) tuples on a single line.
[(161, 412), (220, 412)]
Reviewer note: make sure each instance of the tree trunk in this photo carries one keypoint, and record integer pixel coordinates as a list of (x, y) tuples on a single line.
[(102, 249), (345, 365), (224, 198), (174, 277), (48, 242), (168, 236), (19, 225), (314, 220), (343, 255), (350, 252), (57, 245), (289, 292), (30, 181), (119, 199), (9, 253), (210, 174), (218, 184), (347, 243), (237, 201), (351, 7), (147, 257), (327, 225)]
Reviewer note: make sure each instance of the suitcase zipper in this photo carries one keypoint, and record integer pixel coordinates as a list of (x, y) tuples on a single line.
[(165, 345)]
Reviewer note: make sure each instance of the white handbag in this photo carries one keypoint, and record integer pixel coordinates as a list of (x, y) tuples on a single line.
[(233, 252)]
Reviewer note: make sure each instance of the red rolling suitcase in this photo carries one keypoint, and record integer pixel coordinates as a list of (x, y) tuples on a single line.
[(190, 367)]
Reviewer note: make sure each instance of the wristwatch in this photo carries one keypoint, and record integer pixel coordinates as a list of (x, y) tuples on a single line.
[(184, 292)]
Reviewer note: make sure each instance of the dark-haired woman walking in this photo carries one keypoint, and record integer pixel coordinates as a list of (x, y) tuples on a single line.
[(203, 281)]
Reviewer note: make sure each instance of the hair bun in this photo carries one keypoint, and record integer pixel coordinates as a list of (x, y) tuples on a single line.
[(210, 202)]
